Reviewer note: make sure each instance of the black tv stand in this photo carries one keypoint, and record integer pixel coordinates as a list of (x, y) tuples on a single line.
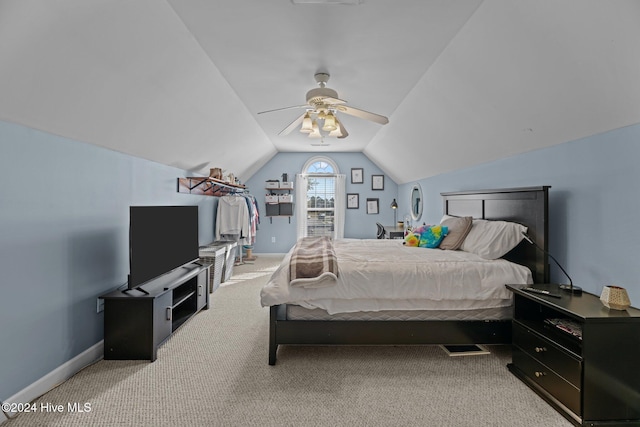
[(135, 325)]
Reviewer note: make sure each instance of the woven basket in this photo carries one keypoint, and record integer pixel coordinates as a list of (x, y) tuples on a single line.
[(232, 249), (217, 268)]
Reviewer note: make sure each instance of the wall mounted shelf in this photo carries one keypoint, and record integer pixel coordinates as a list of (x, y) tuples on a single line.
[(271, 217), (283, 209), (206, 186)]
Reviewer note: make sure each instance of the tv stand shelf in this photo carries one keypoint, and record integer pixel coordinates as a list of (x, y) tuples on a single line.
[(138, 321)]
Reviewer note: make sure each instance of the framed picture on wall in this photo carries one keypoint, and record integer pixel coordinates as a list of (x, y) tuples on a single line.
[(357, 176), (377, 182), (372, 206), (353, 201)]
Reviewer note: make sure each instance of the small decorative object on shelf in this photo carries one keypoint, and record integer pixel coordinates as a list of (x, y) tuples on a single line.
[(615, 298), (215, 173)]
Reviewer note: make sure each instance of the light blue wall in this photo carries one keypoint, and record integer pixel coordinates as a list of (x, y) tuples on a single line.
[(64, 226), (357, 223), (593, 209), (64, 222)]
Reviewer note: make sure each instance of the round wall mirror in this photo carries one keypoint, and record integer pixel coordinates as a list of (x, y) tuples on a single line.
[(416, 202)]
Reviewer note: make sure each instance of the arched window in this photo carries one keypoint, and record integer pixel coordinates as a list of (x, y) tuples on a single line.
[(320, 165), (321, 187)]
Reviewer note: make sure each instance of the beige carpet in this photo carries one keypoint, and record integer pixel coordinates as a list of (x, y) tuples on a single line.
[(214, 372)]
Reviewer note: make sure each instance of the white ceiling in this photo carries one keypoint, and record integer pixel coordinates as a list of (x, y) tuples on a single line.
[(180, 82)]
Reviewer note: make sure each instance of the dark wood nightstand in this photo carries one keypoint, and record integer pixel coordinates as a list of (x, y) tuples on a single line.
[(578, 355)]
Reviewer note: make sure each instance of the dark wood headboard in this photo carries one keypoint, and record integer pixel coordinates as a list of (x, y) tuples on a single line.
[(527, 206)]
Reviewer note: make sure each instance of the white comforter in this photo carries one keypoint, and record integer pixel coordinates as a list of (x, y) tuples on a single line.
[(384, 274)]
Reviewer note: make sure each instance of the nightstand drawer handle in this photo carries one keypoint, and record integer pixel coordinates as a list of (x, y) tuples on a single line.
[(539, 374), (540, 349)]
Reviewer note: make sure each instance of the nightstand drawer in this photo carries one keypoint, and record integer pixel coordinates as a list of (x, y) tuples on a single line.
[(547, 353), (562, 390)]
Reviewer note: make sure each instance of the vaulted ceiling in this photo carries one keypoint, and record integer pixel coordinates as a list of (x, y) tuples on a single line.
[(181, 82)]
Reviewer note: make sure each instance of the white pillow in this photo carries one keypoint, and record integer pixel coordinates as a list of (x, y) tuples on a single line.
[(493, 239)]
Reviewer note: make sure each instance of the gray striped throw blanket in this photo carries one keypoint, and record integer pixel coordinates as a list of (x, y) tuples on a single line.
[(313, 263)]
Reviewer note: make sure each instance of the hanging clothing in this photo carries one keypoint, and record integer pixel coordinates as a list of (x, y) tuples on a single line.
[(254, 216), (233, 218)]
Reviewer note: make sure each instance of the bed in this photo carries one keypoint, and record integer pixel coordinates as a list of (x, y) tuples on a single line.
[(335, 321)]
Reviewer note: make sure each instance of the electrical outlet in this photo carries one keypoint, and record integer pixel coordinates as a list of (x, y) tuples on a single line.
[(100, 305), (273, 239)]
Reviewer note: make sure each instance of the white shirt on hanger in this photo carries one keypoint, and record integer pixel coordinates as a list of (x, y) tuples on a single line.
[(233, 217)]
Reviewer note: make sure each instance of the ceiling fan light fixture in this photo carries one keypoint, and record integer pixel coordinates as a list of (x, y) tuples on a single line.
[(322, 107), (315, 133), (329, 123), (336, 133), (307, 125)]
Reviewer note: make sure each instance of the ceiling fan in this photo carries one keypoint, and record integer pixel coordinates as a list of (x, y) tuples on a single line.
[(321, 108)]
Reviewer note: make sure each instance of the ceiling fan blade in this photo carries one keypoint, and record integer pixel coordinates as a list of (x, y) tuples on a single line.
[(363, 114), (285, 108), (343, 131), (294, 124)]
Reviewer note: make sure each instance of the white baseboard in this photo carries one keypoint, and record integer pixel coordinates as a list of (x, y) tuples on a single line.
[(270, 254), (55, 378)]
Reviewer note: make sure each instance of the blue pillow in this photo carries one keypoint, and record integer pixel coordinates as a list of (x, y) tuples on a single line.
[(432, 236)]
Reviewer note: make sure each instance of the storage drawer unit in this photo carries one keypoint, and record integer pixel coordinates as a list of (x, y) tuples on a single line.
[(568, 394), (586, 371), (548, 353)]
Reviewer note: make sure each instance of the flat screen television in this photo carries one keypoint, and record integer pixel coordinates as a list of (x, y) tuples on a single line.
[(161, 239)]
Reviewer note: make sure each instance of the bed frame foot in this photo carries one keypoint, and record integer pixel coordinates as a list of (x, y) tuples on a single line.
[(273, 346), (272, 356)]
